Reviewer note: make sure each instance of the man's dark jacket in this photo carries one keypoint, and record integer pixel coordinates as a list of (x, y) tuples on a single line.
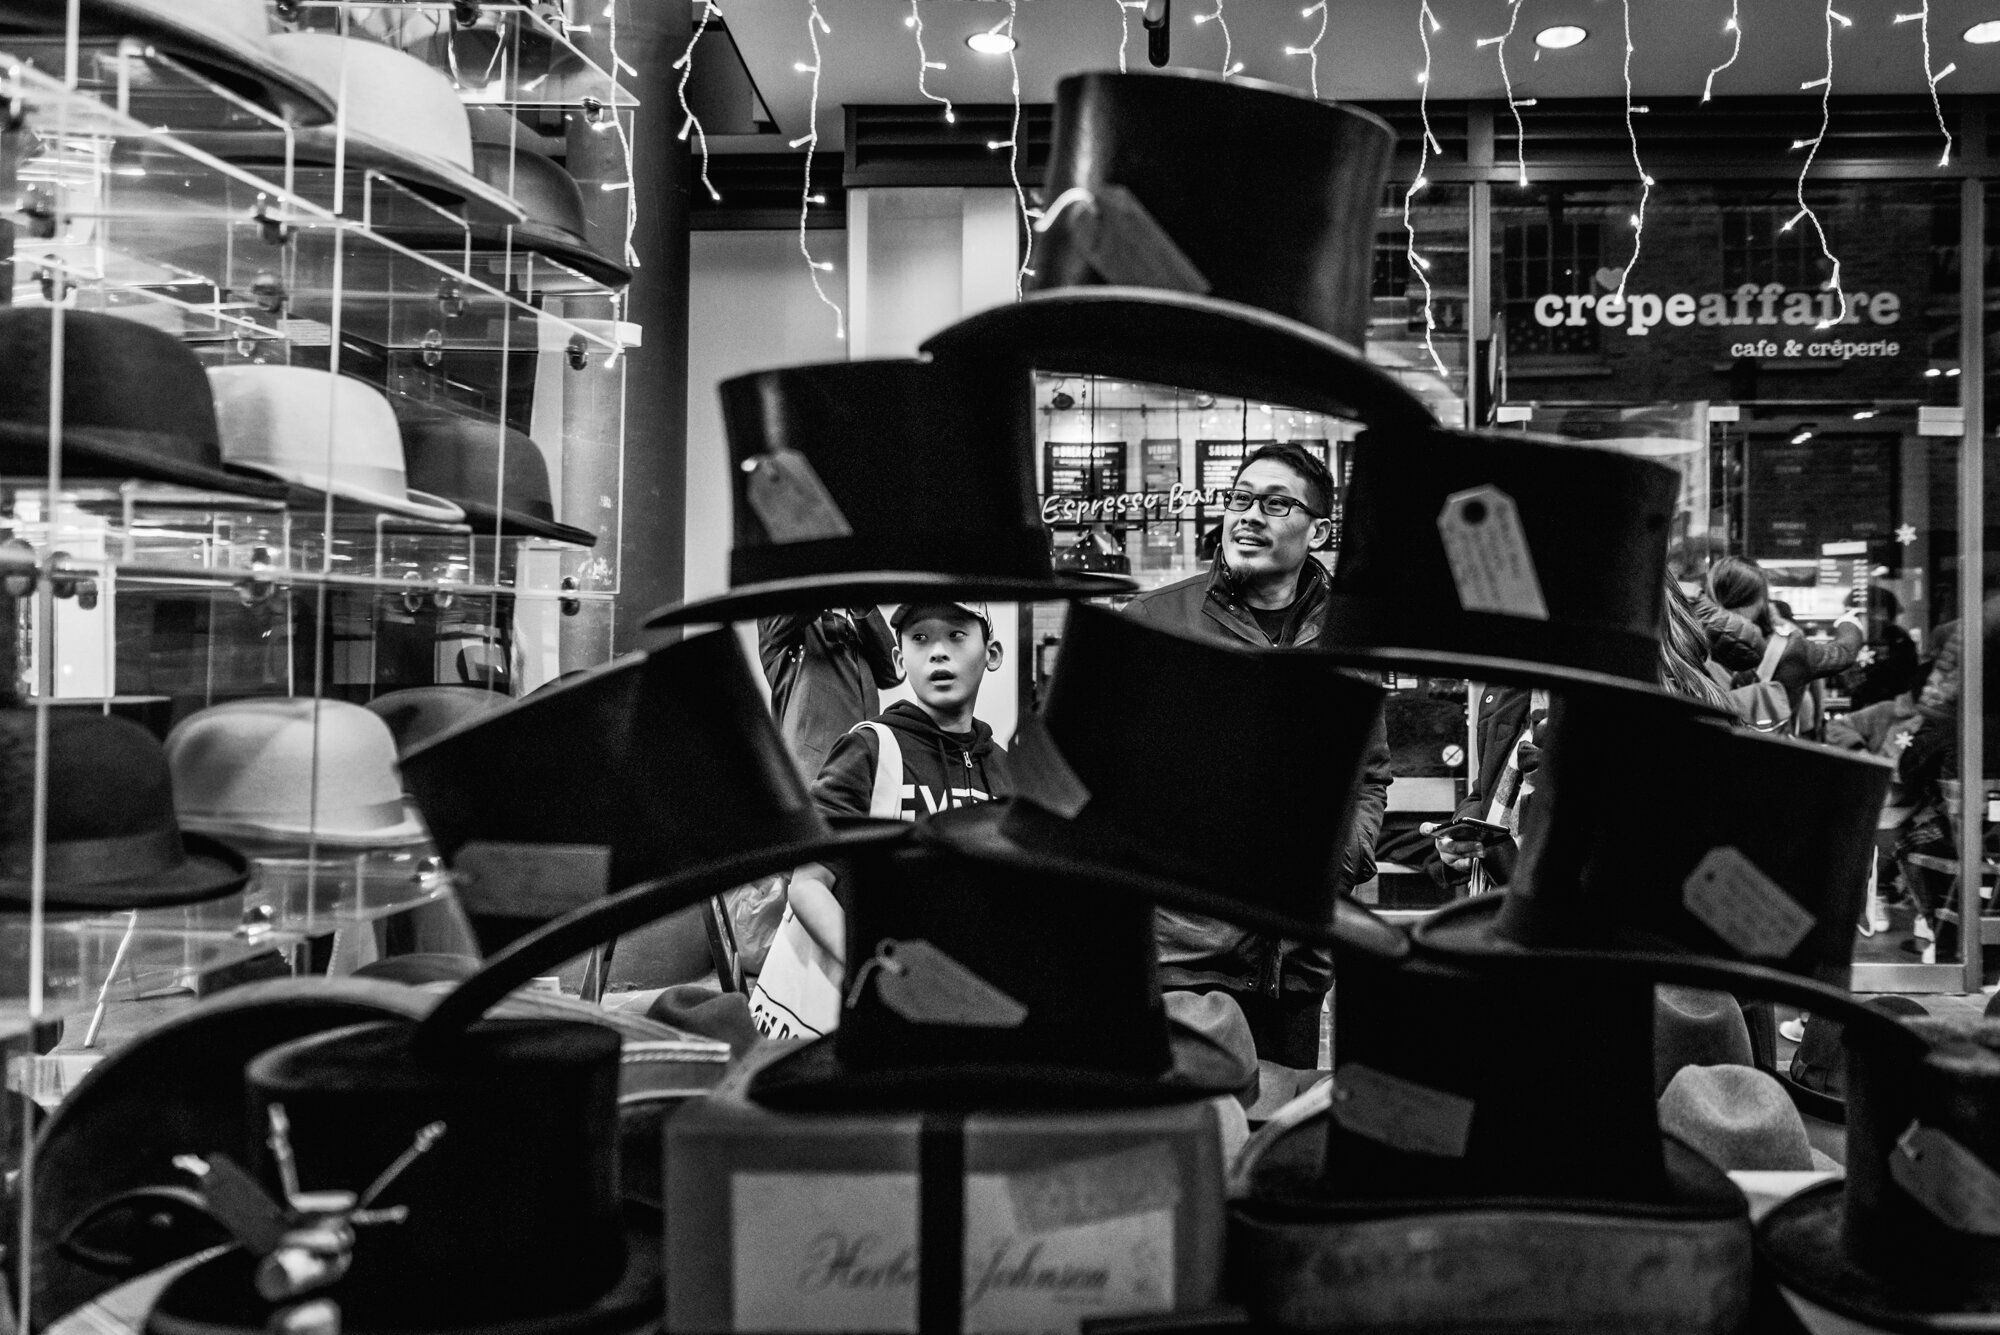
[(824, 669), (1199, 951)]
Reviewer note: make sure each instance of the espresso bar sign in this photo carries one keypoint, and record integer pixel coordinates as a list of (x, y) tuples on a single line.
[(1174, 503), (1763, 320)]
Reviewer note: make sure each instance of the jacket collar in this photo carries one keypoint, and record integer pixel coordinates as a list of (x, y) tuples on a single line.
[(1225, 603)]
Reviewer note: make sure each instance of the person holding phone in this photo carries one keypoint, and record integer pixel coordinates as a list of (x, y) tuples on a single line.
[(1478, 843)]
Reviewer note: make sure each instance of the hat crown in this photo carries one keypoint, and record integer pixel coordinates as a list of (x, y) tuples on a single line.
[(1737, 1117), (389, 96), (549, 195), (104, 356), (242, 20), (303, 424), (255, 762), (107, 780)]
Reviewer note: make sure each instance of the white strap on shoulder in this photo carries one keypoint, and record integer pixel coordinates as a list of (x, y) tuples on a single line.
[(1774, 649), (885, 800)]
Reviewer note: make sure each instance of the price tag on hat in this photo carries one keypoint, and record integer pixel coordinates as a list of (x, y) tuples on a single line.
[(1951, 1182), (788, 498), (1127, 246), (925, 985), (1733, 898), (1399, 1113), (1487, 549)]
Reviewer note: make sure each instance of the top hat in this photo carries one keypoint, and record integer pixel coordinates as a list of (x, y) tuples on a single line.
[(1696, 1026), (1911, 1239), (228, 40), (167, 434), (1502, 558), (493, 472), (959, 994), (882, 481), (420, 713), (1233, 222), (1104, 779), (112, 841), (1817, 1078)]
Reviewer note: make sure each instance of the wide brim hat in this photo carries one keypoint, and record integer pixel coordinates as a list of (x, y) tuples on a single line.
[(883, 482), (495, 473), (209, 869)]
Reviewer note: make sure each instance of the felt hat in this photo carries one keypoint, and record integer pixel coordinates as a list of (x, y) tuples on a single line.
[(167, 434), (1738, 1118), (419, 713), (1103, 783), (1817, 1075), (1769, 868), (286, 767), (1910, 1240), (227, 40), (496, 474), (959, 994), (1695, 1026), (1210, 233), (882, 481), (112, 838), (1502, 558), (326, 432)]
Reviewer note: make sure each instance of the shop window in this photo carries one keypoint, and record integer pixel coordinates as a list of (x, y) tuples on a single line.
[(1544, 257), (1756, 248)]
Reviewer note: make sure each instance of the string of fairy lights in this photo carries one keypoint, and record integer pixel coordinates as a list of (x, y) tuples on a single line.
[(925, 64), (816, 27), (1420, 268), (1311, 49), (690, 121), (1220, 18), (1514, 104), (1825, 85)]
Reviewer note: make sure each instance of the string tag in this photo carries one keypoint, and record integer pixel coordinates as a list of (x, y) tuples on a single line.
[(787, 496), (1948, 1180), (1487, 549), (1401, 1114), (1732, 896), (924, 985), (1123, 242)]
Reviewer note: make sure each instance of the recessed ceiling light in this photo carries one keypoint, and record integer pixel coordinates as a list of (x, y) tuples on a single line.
[(1984, 34), (990, 43), (1561, 37)]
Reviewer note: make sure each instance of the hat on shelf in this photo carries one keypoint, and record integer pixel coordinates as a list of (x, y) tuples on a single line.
[(510, 63), (1738, 1118), (1910, 1240), (1456, 1114), (1209, 233), (959, 994), (1696, 1026), (496, 474), (292, 769), (167, 434), (420, 713), (228, 40), (326, 432), (112, 839), (1103, 788), (882, 481), (1817, 1075), (1502, 558)]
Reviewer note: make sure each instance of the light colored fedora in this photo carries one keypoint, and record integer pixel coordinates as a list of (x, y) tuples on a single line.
[(283, 768), (319, 430), (1740, 1119)]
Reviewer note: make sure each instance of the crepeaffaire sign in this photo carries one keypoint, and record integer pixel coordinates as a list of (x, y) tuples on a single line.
[(1755, 320)]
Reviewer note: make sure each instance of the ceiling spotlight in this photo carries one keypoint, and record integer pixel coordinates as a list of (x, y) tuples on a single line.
[(1984, 34), (1561, 37), (990, 43)]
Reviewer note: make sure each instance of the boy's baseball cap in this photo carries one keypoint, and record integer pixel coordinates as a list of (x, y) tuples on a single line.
[(977, 611)]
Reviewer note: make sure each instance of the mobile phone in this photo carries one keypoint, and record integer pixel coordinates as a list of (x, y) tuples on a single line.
[(1484, 833)]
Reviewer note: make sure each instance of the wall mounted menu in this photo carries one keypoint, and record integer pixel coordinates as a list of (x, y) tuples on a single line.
[(1801, 496), (1080, 468)]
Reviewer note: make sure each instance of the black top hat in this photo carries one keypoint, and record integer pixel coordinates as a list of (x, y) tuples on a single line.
[(883, 481), (1234, 222), (495, 473), (1768, 868), (1911, 1239), (1193, 773), (166, 434), (112, 839), (980, 985), (420, 713), (1817, 1079), (1502, 558)]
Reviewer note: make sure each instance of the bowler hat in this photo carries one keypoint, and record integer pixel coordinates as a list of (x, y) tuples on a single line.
[(1104, 787), (495, 473), (1233, 222), (1910, 1240), (1501, 558), (1817, 1077), (1696, 1026), (420, 713), (136, 404), (1738, 1118), (290, 768), (882, 481), (112, 839)]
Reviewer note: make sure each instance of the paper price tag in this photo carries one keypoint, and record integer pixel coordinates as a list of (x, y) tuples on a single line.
[(789, 499), (1487, 550), (1400, 1113), (1948, 1180), (1127, 246), (1739, 903), (926, 986), (1088, 1191)]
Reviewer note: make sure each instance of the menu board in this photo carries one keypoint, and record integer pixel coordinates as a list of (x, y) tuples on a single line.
[(1084, 468), (1799, 497)]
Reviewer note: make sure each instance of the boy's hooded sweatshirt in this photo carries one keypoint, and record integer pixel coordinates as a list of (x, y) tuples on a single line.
[(941, 769)]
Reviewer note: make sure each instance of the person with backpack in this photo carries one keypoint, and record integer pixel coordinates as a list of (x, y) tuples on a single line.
[(1770, 697)]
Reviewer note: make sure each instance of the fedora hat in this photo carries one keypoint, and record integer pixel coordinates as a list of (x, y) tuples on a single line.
[(1817, 1076), (400, 117), (496, 474), (882, 481), (420, 713), (1209, 233), (112, 840), (1502, 558), (329, 433), (959, 994), (1544, 1201), (228, 40), (1739, 1119), (167, 434), (290, 768), (1696, 1026), (1910, 1240), (1103, 779)]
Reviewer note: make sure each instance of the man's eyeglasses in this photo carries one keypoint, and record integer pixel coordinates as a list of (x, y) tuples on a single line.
[(1274, 504)]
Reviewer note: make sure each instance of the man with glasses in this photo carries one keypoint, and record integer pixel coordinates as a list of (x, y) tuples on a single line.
[(1265, 590)]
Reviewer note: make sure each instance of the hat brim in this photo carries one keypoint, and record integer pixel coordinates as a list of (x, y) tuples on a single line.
[(557, 244), (1800, 1240), (813, 1078), (211, 869), (1191, 342), (1017, 833), (860, 588), (1812, 1103), (412, 504), (514, 524), (409, 830), (1498, 670), (132, 454)]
